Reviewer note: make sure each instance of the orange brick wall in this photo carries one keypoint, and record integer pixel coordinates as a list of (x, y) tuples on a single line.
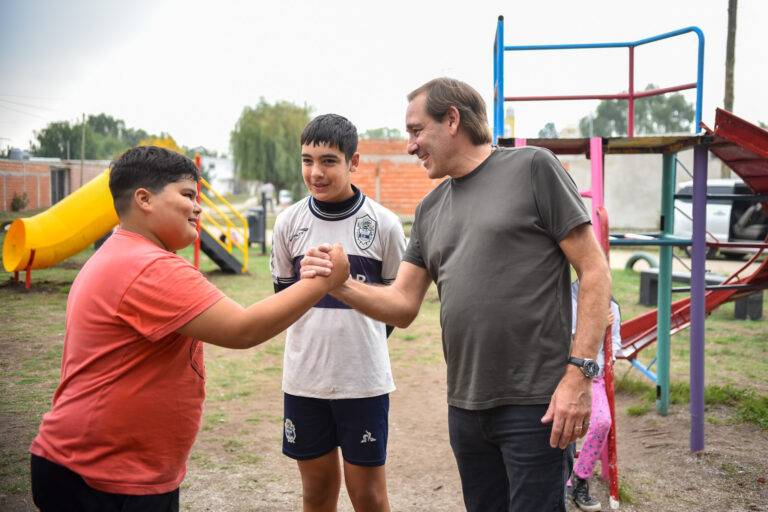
[(402, 181), (34, 178)]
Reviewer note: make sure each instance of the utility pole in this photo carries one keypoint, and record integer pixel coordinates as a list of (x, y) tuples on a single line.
[(82, 153), (730, 63)]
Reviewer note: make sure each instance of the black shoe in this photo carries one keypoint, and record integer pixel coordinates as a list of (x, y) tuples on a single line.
[(580, 495)]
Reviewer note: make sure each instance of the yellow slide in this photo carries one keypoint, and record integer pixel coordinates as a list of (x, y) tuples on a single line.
[(63, 230)]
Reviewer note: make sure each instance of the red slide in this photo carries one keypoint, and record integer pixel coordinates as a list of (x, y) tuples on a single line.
[(744, 148)]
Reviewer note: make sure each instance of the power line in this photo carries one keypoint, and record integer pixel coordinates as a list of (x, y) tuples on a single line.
[(29, 97), (26, 105), (22, 112)]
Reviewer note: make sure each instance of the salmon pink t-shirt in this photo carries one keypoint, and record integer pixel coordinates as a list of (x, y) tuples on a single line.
[(128, 407)]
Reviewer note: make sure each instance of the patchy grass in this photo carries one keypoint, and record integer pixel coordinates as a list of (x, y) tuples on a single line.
[(736, 361), (32, 336), (748, 405)]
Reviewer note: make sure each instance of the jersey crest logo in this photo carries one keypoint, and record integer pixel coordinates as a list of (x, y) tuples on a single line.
[(365, 231)]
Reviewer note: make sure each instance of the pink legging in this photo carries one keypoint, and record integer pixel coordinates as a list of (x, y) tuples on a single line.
[(599, 425)]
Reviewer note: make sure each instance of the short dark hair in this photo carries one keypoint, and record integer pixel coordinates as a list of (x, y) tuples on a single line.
[(444, 93), (149, 167), (334, 130)]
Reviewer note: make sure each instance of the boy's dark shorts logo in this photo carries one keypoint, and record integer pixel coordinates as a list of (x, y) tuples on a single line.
[(365, 231)]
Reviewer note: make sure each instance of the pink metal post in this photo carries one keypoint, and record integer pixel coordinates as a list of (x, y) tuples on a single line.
[(596, 160)]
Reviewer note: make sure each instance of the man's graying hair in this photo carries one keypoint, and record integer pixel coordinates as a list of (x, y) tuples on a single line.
[(444, 93)]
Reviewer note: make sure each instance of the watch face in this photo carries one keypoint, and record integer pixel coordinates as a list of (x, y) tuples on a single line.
[(591, 368)]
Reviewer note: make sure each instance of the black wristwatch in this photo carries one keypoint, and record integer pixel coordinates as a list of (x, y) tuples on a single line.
[(589, 367)]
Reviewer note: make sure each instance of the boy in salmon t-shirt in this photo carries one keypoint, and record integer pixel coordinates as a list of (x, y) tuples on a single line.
[(129, 403)]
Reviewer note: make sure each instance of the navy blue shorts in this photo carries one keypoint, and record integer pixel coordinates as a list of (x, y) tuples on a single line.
[(313, 427)]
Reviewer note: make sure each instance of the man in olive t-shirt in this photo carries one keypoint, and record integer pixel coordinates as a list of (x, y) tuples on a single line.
[(497, 238)]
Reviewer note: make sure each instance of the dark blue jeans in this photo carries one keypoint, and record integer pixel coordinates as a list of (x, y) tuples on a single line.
[(505, 461), (56, 489)]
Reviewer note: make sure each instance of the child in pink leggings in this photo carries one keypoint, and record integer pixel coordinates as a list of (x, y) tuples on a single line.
[(600, 419)]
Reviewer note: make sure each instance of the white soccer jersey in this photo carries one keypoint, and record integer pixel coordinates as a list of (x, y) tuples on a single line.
[(333, 351)]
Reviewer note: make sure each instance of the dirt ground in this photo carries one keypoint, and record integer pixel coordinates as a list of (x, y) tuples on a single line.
[(656, 468), (655, 465)]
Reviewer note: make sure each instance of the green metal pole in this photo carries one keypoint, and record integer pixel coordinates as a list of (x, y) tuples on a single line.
[(664, 302)]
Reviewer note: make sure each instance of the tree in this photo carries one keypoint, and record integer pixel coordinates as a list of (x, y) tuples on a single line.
[(382, 133), (730, 55), (56, 140), (266, 143), (548, 132), (730, 64), (658, 114), (105, 138)]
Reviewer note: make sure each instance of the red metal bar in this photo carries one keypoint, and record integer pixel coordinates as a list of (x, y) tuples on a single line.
[(620, 96), (664, 90), (28, 279), (612, 469), (739, 245), (197, 242), (631, 111)]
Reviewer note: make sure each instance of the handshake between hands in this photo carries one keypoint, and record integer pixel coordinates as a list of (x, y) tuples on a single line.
[(326, 261)]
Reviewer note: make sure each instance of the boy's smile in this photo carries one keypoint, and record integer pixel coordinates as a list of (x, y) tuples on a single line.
[(326, 172)]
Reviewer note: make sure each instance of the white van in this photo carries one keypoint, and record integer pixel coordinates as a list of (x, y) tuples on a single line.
[(727, 220), (284, 197)]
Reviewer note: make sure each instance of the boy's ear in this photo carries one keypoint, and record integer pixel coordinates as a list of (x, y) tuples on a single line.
[(354, 162), (142, 198)]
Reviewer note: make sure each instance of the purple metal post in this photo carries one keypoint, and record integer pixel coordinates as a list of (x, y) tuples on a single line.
[(698, 309)]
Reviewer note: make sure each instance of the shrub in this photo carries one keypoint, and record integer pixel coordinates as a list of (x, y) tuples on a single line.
[(19, 202)]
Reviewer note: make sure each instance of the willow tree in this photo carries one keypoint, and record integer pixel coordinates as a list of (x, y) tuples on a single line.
[(266, 143)]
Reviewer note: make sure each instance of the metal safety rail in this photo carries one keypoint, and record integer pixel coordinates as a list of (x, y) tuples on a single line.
[(235, 238), (498, 76)]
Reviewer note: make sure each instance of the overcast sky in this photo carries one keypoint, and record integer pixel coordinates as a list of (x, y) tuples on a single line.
[(189, 67)]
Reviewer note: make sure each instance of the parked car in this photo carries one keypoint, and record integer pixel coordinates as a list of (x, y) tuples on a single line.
[(727, 220)]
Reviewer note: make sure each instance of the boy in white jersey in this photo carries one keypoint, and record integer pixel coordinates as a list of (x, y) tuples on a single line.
[(336, 373)]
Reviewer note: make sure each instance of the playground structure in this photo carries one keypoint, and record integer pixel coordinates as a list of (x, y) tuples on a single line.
[(86, 215), (742, 146)]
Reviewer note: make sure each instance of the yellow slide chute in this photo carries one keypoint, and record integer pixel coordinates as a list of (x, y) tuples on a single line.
[(63, 230)]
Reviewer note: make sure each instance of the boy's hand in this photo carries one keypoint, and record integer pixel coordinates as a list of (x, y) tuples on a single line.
[(339, 271), (317, 262)]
